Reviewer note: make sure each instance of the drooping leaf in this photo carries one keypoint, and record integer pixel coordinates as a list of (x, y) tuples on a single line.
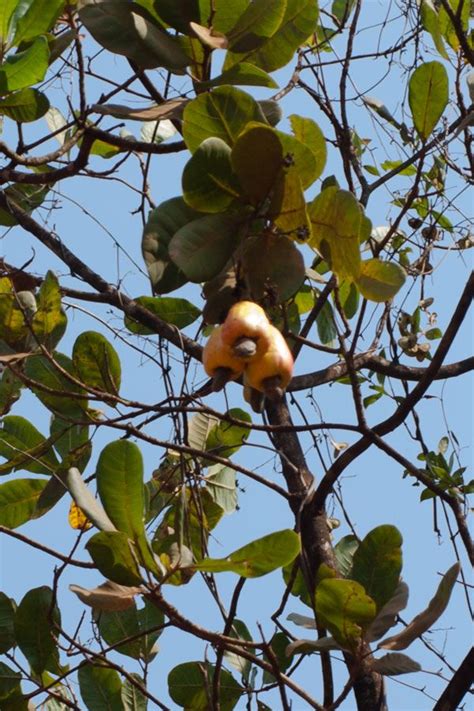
[(222, 113), (25, 448), (209, 183), (428, 94), (202, 248), (220, 481), (272, 262), (7, 629), (18, 499), (302, 620), (127, 29), (119, 476), (190, 686), (24, 106), (156, 112), (395, 664), (24, 68), (380, 281), (345, 609), (308, 646), (100, 688), (86, 501), (111, 551), (239, 631), (377, 563), (344, 553), (258, 558), (387, 617), (96, 362), (423, 621), (179, 312), (34, 629)]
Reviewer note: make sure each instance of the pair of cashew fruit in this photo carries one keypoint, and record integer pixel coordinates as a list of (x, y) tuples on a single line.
[(247, 344)]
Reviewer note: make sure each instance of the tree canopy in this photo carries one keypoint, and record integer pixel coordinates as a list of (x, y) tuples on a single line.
[(246, 538)]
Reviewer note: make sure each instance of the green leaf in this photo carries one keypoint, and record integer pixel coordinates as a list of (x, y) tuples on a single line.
[(344, 553), (342, 9), (423, 621), (377, 563), (349, 298), (41, 370), (241, 74), (100, 688), (127, 29), (209, 184), (7, 630), (428, 94), (380, 281), (256, 24), (28, 197), (163, 222), (7, 9), (391, 164), (38, 18), (96, 362), (221, 485), (433, 334), (271, 110), (34, 628), (18, 499), (344, 608), (10, 391), (179, 13), (395, 664), (132, 698), (257, 558), (326, 324), (111, 551), (222, 113), (225, 438), (25, 68), (9, 683), (202, 248), (272, 261), (430, 20), (279, 645), (257, 158), (179, 312), (298, 23), (190, 686), (119, 475), (25, 448), (116, 627), (339, 226), (49, 321), (308, 132), (24, 106)]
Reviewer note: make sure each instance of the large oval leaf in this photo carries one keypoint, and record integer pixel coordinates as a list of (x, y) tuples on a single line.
[(111, 551), (127, 29), (61, 400), (345, 609), (380, 281), (18, 500), (34, 632), (190, 686), (257, 558), (96, 362), (179, 312), (377, 563), (272, 262), (7, 617), (100, 688), (25, 68), (222, 113), (202, 247), (257, 158), (428, 94), (25, 448), (25, 105), (209, 183)]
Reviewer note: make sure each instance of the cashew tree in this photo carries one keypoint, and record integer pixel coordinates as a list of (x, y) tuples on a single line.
[(234, 354)]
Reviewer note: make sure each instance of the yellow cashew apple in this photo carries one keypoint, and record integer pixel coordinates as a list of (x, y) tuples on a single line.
[(219, 361), (246, 322), (272, 371)]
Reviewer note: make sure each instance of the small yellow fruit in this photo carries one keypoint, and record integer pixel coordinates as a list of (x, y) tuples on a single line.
[(245, 320), (272, 371), (218, 357)]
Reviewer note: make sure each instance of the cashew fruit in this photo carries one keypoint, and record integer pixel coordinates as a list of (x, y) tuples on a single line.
[(272, 371), (246, 321), (219, 361)]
